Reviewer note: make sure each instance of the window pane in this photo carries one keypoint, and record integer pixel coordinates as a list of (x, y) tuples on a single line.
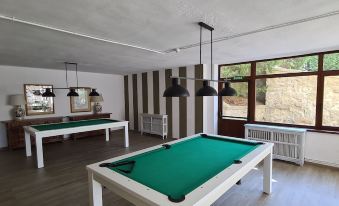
[(236, 106), (235, 71), (293, 65), (331, 61), (288, 100), (331, 101)]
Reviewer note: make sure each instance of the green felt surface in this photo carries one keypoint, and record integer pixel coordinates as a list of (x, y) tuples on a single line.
[(64, 125), (186, 165)]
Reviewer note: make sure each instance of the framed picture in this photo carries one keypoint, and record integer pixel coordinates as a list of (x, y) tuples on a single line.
[(36, 104), (81, 103)]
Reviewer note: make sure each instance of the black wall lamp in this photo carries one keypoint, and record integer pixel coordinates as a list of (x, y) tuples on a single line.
[(178, 91), (72, 90)]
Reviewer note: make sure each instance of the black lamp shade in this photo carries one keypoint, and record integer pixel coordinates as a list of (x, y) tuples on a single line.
[(48, 93), (176, 90), (206, 90), (94, 93), (72, 93), (227, 90)]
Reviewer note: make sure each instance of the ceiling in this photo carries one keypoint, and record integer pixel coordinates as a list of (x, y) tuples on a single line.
[(161, 26)]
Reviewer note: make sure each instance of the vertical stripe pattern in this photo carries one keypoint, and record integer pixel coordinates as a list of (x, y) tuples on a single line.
[(140, 102), (135, 103), (198, 100), (190, 102), (168, 74), (162, 87), (144, 93), (175, 109), (126, 98), (183, 105), (131, 102), (156, 92), (150, 92), (186, 115)]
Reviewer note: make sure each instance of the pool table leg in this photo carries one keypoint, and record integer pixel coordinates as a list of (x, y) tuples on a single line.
[(39, 152), (28, 144), (126, 136), (95, 191), (107, 134), (268, 174)]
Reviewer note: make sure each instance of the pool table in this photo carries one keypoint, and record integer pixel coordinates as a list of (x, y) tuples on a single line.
[(195, 170), (46, 130)]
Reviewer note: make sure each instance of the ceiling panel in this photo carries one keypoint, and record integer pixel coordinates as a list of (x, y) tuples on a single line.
[(159, 25)]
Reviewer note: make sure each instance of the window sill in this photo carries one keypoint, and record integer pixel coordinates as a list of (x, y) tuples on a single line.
[(234, 118), (323, 131)]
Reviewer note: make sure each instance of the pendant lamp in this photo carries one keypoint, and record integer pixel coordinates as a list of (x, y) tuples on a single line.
[(48, 93), (227, 90), (206, 90), (72, 93), (94, 93), (176, 90)]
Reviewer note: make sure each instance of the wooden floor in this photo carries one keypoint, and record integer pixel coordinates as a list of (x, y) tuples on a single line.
[(63, 181)]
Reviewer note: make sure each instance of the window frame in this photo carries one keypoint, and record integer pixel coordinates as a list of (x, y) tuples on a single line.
[(245, 80), (320, 74)]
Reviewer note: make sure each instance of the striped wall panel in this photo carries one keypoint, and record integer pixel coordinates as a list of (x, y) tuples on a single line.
[(126, 98), (156, 86), (175, 111), (150, 93), (168, 73), (162, 87), (190, 102), (183, 105), (144, 89), (130, 102), (140, 99), (144, 94), (135, 102), (199, 74)]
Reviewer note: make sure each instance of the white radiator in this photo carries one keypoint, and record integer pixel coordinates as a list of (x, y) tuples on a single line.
[(288, 142)]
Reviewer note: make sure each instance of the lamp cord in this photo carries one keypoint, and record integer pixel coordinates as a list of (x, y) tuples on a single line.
[(211, 54), (200, 41)]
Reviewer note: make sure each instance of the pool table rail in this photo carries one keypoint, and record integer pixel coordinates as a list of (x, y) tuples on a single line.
[(39, 135)]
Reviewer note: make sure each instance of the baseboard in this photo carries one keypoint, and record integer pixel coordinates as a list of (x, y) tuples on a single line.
[(318, 162)]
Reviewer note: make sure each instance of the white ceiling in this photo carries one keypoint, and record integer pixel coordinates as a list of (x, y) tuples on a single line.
[(162, 26)]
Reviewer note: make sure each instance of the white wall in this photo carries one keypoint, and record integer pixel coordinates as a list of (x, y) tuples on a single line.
[(12, 80), (322, 148)]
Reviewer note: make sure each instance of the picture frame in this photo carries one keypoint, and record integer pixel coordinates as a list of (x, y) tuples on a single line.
[(82, 102), (36, 104)]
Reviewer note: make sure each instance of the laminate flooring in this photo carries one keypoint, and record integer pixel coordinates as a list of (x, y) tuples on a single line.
[(63, 180)]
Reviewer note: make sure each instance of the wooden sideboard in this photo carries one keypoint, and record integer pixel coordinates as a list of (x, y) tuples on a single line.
[(88, 116), (16, 136)]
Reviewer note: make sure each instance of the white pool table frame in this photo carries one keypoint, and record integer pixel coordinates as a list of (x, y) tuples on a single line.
[(39, 135), (206, 194)]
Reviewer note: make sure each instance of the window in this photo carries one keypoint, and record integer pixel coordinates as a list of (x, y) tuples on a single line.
[(284, 91), (288, 100), (331, 61), (331, 101), (239, 70), (236, 106), (291, 65)]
